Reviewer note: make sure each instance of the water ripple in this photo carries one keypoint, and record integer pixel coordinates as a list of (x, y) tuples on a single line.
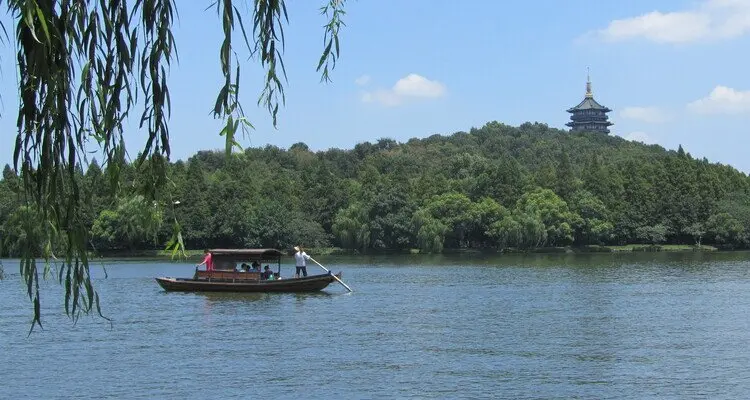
[(604, 327)]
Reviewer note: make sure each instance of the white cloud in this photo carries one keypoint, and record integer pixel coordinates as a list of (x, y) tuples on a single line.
[(652, 115), (418, 86), (711, 20), (723, 100), (675, 27), (639, 137), (362, 80), (409, 87)]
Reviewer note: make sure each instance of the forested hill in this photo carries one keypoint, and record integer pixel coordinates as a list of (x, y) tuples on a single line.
[(494, 187)]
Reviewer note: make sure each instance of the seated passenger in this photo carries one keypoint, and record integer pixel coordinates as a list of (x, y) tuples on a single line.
[(267, 273), (244, 268), (256, 266)]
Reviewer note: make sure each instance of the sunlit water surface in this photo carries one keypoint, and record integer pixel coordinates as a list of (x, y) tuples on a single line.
[(634, 326)]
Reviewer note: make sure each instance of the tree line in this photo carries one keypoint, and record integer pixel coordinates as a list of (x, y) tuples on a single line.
[(495, 187)]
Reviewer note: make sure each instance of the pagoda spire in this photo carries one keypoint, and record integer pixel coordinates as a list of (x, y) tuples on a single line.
[(588, 115)]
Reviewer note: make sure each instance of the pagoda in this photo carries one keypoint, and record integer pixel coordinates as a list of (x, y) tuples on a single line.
[(588, 115)]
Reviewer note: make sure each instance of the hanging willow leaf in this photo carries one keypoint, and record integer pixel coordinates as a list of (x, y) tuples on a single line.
[(334, 10), (83, 66)]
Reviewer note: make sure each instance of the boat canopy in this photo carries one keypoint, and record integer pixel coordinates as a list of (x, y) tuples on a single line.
[(270, 253), (228, 258)]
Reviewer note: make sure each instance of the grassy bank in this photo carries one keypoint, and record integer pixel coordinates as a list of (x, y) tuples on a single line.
[(619, 249), (197, 254), (662, 247)]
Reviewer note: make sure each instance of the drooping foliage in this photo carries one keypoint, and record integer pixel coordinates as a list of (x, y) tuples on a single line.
[(84, 67)]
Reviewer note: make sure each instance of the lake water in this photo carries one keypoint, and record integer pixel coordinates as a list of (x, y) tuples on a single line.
[(607, 326)]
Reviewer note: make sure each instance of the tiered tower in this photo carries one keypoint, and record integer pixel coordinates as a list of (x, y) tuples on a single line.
[(588, 115)]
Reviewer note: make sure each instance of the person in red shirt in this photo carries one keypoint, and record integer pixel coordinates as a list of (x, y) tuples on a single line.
[(208, 261)]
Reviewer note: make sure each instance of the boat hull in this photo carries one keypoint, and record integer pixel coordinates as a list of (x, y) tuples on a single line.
[(305, 284)]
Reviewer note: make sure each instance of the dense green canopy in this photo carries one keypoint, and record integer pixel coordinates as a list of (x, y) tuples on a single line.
[(494, 187)]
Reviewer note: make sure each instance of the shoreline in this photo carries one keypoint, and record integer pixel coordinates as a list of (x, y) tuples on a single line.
[(631, 248)]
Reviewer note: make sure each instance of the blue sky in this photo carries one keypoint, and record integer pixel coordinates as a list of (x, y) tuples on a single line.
[(674, 72)]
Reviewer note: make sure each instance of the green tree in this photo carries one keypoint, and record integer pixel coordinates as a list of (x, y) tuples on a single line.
[(390, 219), (454, 211), (134, 221), (352, 227), (501, 180), (533, 232), (271, 224), (430, 231), (565, 182), (655, 234), (507, 232), (725, 229), (104, 232), (553, 213), (24, 234), (484, 214), (680, 200), (696, 230), (9, 196), (594, 226), (12, 182), (521, 230)]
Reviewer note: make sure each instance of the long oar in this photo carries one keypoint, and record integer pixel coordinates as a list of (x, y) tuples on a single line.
[(336, 277)]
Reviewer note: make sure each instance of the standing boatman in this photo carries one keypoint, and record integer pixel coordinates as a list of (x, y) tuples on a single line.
[(208, 260), (300, 260)]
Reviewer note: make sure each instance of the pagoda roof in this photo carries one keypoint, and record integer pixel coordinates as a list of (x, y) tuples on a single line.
[(589, 103)]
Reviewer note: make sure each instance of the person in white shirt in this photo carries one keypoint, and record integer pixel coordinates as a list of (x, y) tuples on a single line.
[(300, 259)]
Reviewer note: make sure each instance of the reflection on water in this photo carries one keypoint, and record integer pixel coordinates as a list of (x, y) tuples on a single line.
[(262, 301), (212, 297), (664, 325)]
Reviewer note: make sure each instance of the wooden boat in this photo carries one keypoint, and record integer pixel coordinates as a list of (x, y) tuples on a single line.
[(226, 277)]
